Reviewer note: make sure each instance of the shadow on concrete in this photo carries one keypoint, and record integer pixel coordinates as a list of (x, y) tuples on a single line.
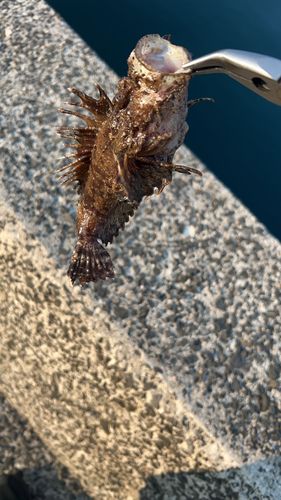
[(257, 481), (53, 482), (41, 483)]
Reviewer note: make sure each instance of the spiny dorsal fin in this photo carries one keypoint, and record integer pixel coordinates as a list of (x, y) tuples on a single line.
[(78, 170), (100, 106)]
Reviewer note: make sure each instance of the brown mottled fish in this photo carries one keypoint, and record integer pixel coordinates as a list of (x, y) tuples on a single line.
[(126, 149)]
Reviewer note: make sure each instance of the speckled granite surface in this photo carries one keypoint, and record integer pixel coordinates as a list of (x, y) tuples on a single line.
[(174, 366)]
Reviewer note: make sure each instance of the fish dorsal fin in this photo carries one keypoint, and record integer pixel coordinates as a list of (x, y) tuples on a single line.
[(77, 171)]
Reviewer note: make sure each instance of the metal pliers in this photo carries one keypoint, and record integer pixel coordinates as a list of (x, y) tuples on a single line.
[(261, 74)]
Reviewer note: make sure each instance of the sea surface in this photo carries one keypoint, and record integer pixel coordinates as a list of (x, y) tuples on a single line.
[(238, 137)]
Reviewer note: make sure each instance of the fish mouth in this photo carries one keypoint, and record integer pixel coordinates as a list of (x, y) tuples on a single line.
[(159, 54)]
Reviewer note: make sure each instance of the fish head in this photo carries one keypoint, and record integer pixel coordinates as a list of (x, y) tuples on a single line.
[(156, 62)]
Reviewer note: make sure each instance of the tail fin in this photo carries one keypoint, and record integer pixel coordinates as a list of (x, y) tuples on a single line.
[(90, 262)]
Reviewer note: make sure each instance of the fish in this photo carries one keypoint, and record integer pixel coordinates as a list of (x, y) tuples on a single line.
[(125, 152)]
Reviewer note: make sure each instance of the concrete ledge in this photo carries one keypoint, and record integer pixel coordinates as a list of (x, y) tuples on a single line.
[(143, 385)]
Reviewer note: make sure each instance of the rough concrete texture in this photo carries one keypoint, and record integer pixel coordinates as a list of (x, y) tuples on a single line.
[(22, 450), (163, 383)]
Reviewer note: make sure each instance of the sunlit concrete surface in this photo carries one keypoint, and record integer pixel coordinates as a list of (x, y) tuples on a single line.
[(163, 383)]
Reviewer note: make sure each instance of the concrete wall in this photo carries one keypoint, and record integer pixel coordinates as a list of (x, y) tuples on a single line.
[(163, 383)]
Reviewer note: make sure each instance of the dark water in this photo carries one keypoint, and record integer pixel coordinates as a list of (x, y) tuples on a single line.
[(238, 137)]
